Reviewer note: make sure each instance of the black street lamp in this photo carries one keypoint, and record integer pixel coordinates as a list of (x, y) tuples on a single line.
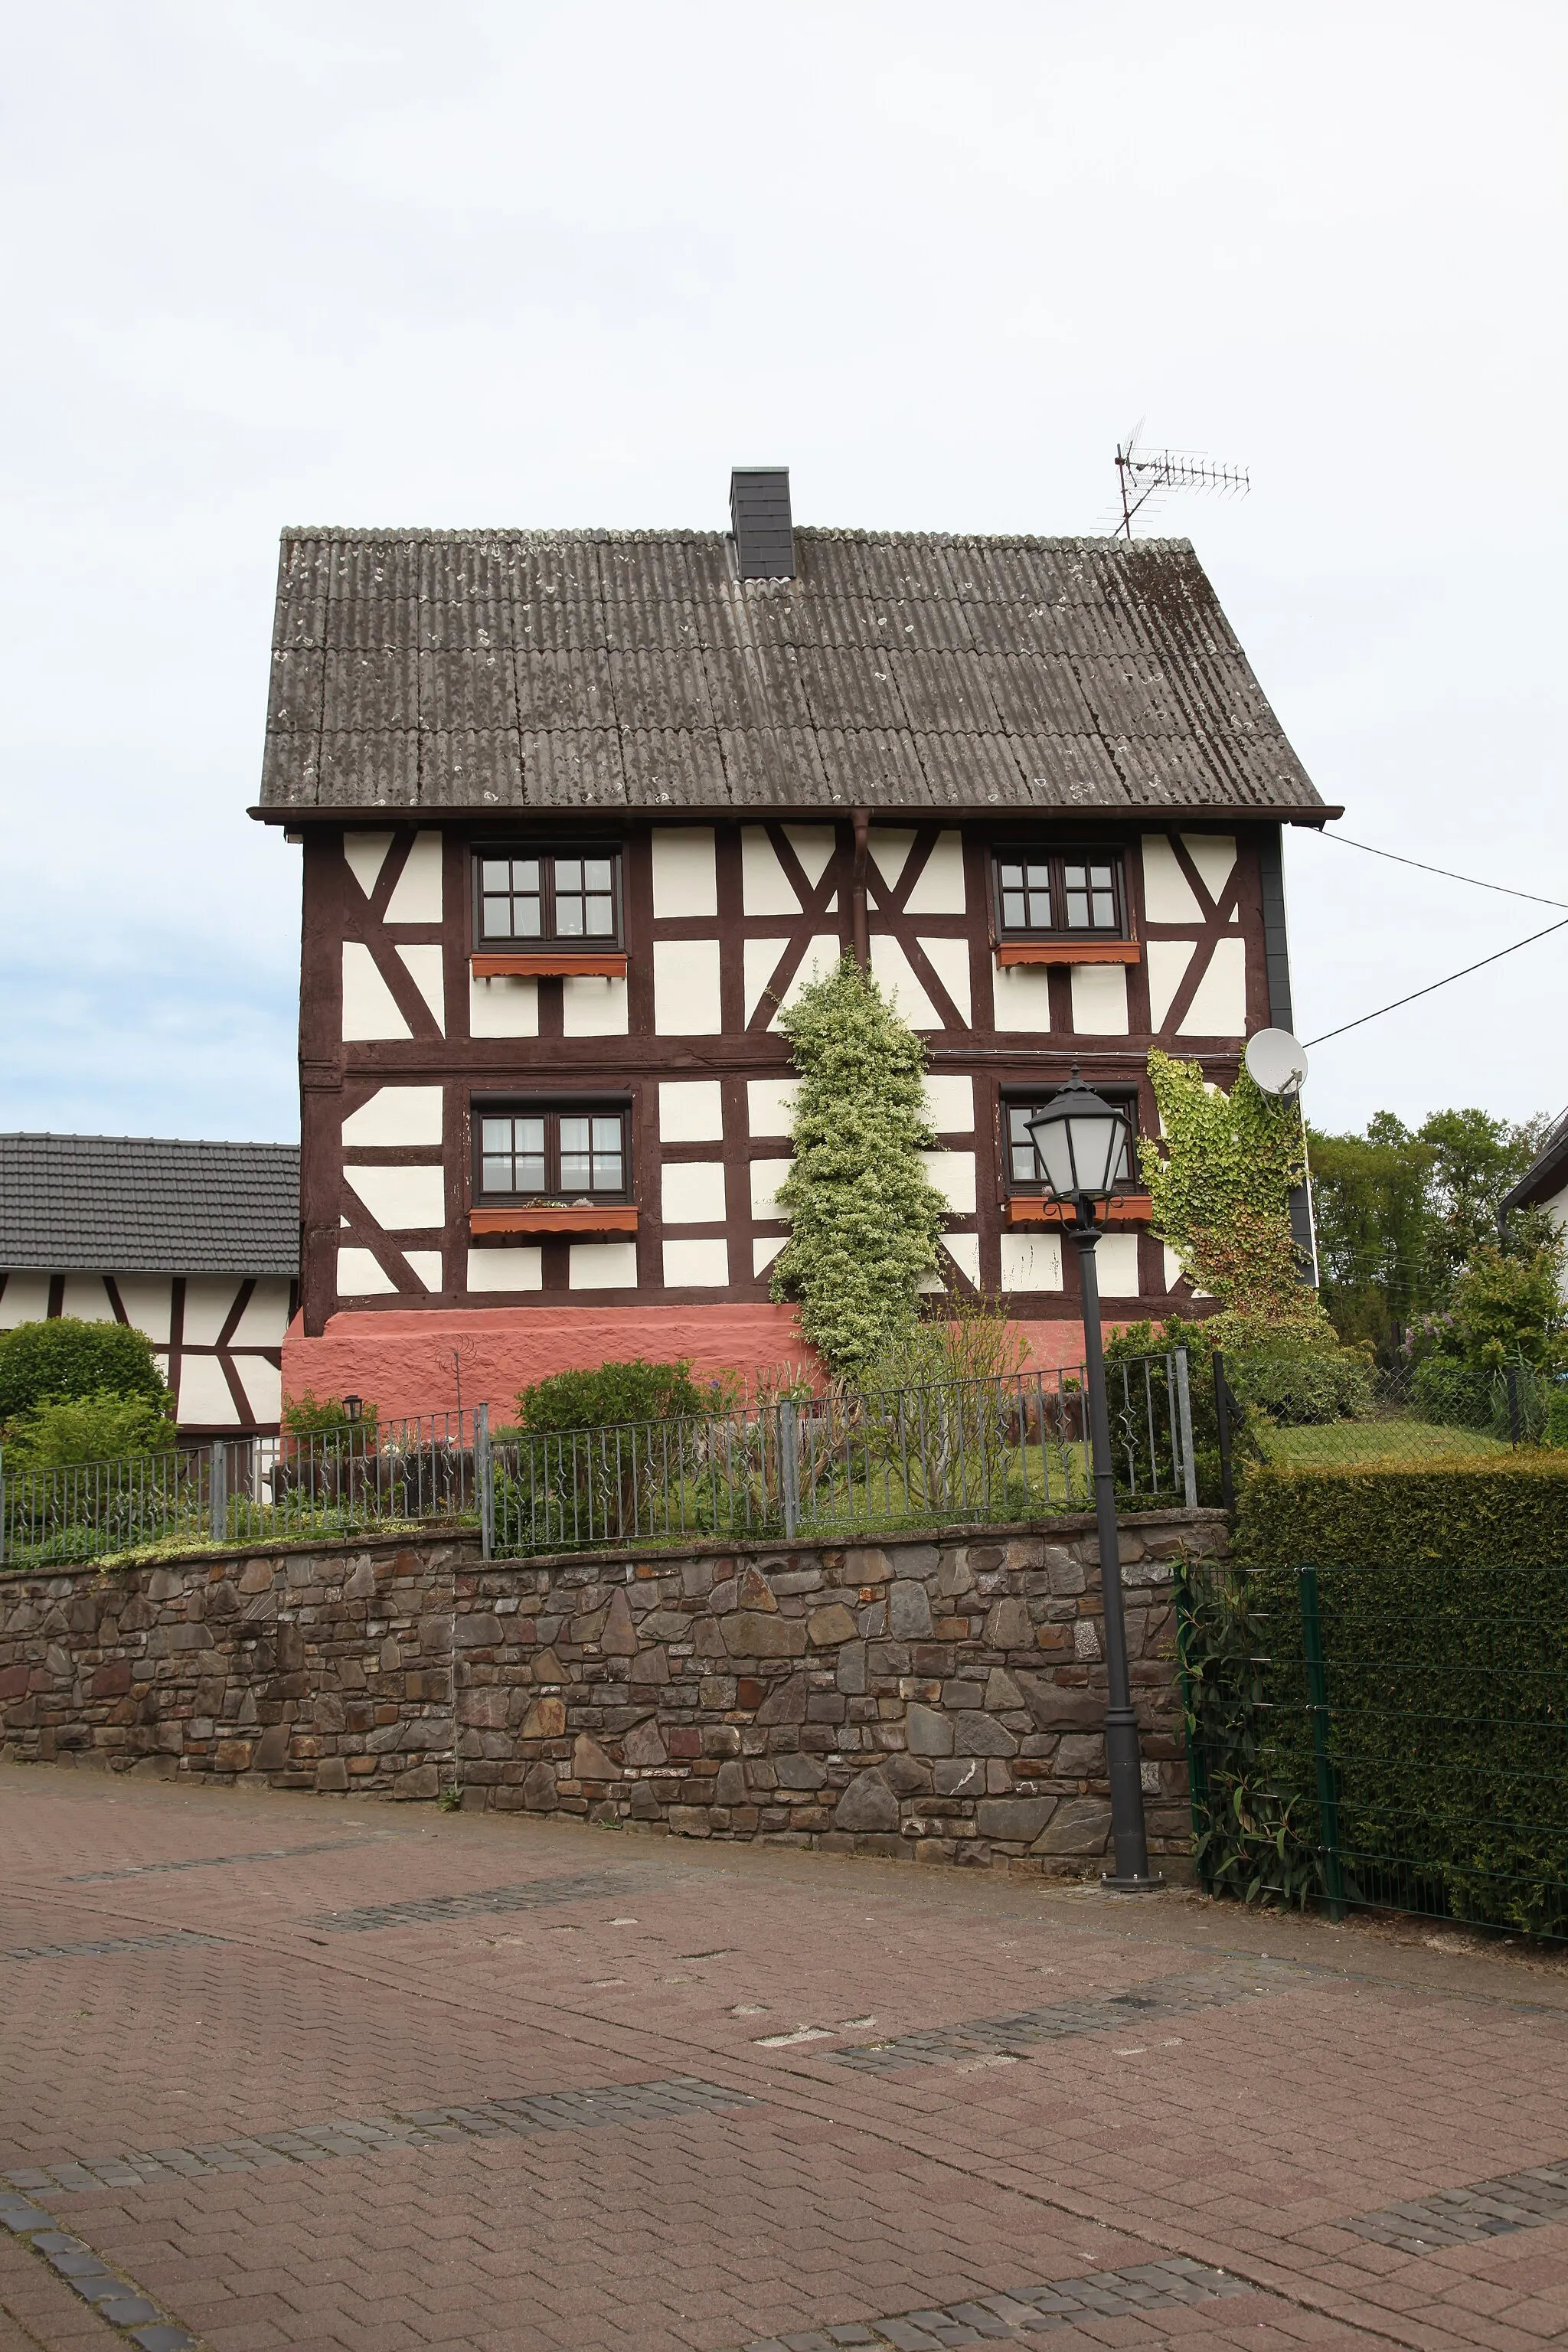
[(1084, 1148)]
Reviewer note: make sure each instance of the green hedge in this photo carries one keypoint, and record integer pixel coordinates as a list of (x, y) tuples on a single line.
[(1476, 1511), (1446, 1689)]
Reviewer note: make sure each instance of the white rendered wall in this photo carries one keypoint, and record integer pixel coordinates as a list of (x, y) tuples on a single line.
[(395, 1114)]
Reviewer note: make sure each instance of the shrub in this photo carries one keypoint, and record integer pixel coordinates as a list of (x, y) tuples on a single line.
[(615, 1394), (1299, 1377), (1496, 1509), (1455, 1394), (66, 1359), (102, 1428), (964, 1337), (864, 1216), (1557, 1415), (310, 1415)]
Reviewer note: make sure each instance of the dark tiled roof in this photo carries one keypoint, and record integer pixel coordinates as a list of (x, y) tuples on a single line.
[(1546, 1177), (447, 670), (142, 1204)]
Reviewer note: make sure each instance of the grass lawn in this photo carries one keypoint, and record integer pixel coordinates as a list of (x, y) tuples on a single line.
[(1337, 1443)]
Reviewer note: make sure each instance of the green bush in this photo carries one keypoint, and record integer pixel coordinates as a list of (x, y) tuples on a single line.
[(1486, 1509), (309, 1415), (1452, 1392), (617, 1393), (1446, 1735), (1557, 1415), (65, 1358), (102, 1428), (1300, 1381)]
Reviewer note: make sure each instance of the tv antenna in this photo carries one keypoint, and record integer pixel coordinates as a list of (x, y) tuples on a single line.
[(1143, 474)]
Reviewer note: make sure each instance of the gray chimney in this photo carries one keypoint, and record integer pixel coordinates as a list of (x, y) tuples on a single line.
[(759, 512)]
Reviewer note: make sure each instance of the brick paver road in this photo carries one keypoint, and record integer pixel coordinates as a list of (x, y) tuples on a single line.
[(281, 2071)]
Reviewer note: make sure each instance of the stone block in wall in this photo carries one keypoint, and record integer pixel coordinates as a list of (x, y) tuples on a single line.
[(1081, 1825)]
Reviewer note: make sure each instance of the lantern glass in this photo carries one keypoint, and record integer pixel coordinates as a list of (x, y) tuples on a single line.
[(1082, 1144)]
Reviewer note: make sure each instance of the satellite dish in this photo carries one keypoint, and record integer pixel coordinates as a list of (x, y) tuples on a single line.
[(1276, 1061)]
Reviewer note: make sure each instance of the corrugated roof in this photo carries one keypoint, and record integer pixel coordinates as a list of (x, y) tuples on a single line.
[(561, 670), (147, 1204)]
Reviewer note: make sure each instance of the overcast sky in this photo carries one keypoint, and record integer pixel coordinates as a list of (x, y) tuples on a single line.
[(564, 265)]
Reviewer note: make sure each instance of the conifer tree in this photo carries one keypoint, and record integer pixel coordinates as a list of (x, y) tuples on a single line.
[(865, 1218)]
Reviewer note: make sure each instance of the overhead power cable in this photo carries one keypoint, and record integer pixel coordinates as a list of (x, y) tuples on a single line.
[(1502, 888), (1447, 982)]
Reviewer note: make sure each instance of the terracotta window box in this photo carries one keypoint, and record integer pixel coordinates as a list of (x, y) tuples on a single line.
[(608, 1217), (549, 964), (1069, 951), (1029, 1208)]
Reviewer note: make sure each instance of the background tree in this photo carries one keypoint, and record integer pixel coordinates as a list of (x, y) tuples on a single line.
[(864, 1216), (67, 1361)]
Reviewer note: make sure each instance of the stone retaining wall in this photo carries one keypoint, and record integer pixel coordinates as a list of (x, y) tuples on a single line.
[(938, 1695)]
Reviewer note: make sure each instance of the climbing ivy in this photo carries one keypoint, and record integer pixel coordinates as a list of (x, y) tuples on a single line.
[(864, 1216), (1219, 1176)]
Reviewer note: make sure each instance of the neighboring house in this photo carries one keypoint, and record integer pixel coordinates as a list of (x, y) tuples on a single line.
[(1545, 1184), (582, 812), (195, 1244)]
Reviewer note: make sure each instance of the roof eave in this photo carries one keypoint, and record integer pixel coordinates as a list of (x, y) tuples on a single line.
[(1314, 813)]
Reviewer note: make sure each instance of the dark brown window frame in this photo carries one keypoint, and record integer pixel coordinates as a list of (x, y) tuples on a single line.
[(1013, 1098), (551, 1109), (548, 942), (1057, 855)]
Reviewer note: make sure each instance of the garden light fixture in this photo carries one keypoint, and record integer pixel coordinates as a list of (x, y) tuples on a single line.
[(1084, 1148)]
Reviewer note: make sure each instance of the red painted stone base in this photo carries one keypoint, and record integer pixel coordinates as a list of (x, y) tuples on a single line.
[(401, 1362)]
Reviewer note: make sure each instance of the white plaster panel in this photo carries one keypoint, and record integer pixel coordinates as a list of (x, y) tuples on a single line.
[(366, 855), (416, 897), (1021, 993), (425, 971), (1099, 999), (1168, 896), (821, 957), (766, 889), (814, 844), (1218, 1008), (395, 1114), (1175, 1271), (1116, 1257), (766, 1176), (370, 1009), (894, 975), (1168, 962), (263, 1385), (686, 987), (593, 1006), (402, 1200), (265, 1317), (763, 1253), (148, 1301), (359, 1277), (889, 847), (425, 1265), (692, 1110), (85, 1297), (1031, 1261), (770, 1105), (518, 1267), (503, 1008), (949, 959), (691, 1191), (1214, 855), (697, 1265), (759, 961), (964, 1249), (26, 1300), (205, 1401), (939, 887), (685, 880), (601, 1266), (209, 1302), (952, 1174), (950, 1105)]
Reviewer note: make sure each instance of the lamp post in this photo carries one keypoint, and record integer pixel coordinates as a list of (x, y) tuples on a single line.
[(1084, 1146)]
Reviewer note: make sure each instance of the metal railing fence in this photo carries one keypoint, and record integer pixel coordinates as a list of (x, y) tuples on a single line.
[(1382, 1739), (956, 1451), (323, 1482)]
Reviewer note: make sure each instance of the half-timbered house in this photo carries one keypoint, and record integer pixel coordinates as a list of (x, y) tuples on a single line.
[(197, 1245), (581, 811)]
